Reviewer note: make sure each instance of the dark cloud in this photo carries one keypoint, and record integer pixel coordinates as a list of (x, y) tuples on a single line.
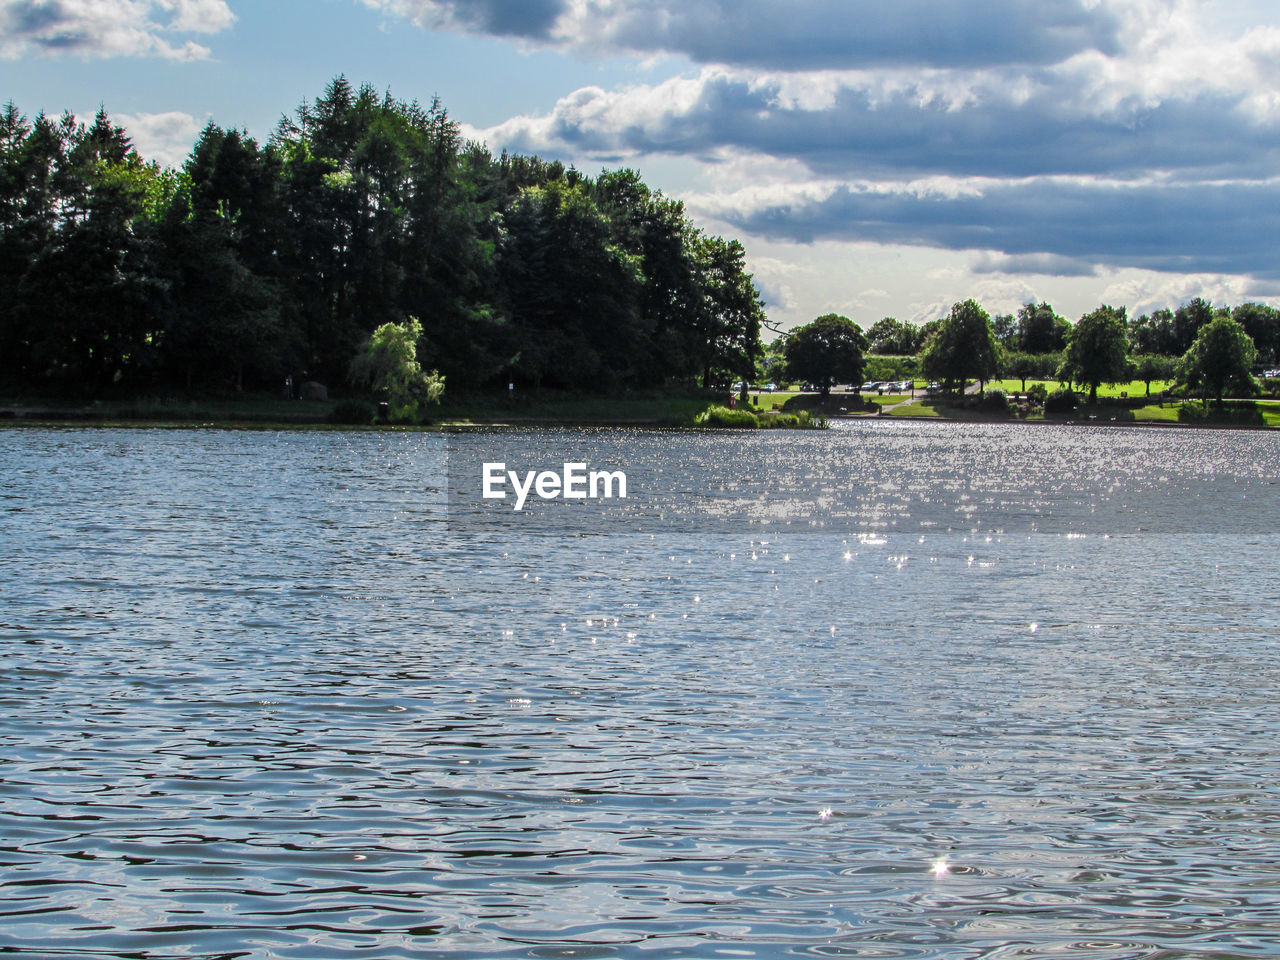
[(34, 16), (910, 132), (532, 19), (46, 24), (823, 34), (798, 35), (1195, 228)]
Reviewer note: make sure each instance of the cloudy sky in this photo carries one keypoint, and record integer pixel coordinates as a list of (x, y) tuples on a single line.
[(876, 157)]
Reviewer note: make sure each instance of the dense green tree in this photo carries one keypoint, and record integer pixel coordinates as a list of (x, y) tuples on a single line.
[(572, 292), (962, 348), (1098, 350), (1188, 320), (1040, 329), (1154, 334), (729, 316), (1220, 357), (826, 351), (892, 337), (1262, 324), (1005, 328)]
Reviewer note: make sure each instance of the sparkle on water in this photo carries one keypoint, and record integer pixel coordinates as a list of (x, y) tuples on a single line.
[(260, 702)]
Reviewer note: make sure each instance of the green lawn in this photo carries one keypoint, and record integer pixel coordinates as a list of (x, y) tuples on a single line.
[(888, 399), (772, 401), (921, 408), (1270, 412), (1135, 388), (1154, 413)]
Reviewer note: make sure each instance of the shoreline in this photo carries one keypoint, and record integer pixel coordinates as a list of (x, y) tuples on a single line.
[(27, 418)]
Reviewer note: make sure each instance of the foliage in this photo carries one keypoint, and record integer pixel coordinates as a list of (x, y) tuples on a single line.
[(1060, 401), (1243, 415), (387, 364), (253, 264), (1030, 366), (1037, 393), (721, 416), (995, 401), (1040, 330), (1150, 367), (1170, 333), (892, 336), (891, 368), (1262, 324), (1220, 356), (963, 347), (829, 350), (1097, 350)]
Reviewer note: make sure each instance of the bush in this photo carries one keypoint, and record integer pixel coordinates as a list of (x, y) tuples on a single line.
[(352, 412), (995, 401), (1060, 401), (719, 416), (1235, 415), (1038, 393)]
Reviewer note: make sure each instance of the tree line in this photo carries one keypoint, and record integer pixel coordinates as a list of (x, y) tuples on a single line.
[(253, 263), (1206, 350)]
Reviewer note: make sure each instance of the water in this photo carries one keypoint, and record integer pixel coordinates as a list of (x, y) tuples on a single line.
[(270, 696)]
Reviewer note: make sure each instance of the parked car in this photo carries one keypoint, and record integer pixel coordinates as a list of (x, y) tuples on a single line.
[(871, 385)]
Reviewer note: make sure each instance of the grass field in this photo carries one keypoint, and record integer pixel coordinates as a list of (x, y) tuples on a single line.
[(920, 408), (1135, 388), (1154, 413)]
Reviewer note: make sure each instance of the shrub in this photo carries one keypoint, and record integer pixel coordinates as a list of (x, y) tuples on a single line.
[(1242, 415), (1038, 393), (1060, 401), (719, 416), (352, 412), (779, 420), (995, 401)]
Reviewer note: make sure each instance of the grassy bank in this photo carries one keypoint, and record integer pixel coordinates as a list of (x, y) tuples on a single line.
[(248, 410)]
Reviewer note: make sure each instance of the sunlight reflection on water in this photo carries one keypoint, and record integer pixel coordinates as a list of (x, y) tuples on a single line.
[(260, 702)]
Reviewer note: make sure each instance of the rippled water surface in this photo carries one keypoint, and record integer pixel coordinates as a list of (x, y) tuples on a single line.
[(264, 697)]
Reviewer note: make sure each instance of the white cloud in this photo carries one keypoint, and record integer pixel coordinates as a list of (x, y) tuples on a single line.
[(110, 28), (1142, 292), (164, 137), (1145, 140)]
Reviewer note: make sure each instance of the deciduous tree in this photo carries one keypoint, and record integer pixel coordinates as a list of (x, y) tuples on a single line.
[(828, 350), (1098, 350)]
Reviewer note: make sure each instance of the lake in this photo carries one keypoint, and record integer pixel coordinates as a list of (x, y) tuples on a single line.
[(895, 689)]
